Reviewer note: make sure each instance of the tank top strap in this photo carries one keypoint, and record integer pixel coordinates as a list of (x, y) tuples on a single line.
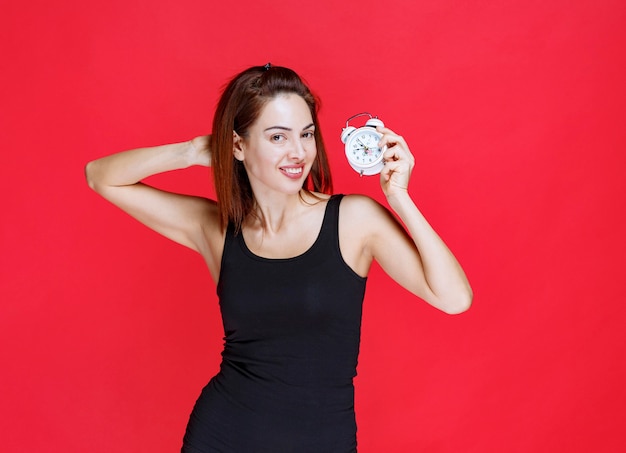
[(230, 234), (332, 211), (329, 232)]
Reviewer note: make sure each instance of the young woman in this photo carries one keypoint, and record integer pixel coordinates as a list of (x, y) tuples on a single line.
[(289, 259)]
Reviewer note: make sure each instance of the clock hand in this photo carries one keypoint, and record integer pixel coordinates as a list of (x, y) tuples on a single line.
[(370, 150)]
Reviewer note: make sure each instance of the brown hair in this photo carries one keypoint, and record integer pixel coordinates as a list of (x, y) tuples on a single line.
[(239, 107)]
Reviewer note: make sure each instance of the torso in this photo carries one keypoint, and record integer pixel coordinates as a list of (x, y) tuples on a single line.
[(292, 330)]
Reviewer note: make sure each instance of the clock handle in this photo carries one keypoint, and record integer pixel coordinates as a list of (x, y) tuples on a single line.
[(359, 114), (374, 122)]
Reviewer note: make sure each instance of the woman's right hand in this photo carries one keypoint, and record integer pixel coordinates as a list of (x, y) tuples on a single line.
[(201, 150)]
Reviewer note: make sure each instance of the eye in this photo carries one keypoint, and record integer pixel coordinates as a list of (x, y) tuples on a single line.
[(308, 134), (277, 138)]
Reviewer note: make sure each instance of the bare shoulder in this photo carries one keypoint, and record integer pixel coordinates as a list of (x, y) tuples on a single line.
[(364, 210), (373, 223), (362, 222)]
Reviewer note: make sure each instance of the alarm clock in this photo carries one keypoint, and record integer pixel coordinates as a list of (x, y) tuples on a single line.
[(362, 150)]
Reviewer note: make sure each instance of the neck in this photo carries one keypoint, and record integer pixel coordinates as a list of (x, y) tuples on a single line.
[(273, 213)]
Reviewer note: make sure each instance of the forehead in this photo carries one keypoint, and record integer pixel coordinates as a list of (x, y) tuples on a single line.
[(287, 110)]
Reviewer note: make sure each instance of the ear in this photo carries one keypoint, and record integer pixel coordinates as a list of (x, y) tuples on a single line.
[(238, 147)]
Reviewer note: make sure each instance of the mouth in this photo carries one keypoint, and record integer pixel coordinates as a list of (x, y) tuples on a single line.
[(293, 172)]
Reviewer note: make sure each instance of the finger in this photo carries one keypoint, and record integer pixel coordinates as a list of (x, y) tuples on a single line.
[(397, 166), (392, 166), (391, 140), (391, 154), (396, 153), (385, 130), (386, 172)]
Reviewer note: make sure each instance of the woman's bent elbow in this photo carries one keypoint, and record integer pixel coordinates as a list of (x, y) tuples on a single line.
[(460, 305), (91, 182)]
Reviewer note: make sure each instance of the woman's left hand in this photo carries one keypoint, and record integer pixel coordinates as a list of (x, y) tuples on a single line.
[(399, 162)]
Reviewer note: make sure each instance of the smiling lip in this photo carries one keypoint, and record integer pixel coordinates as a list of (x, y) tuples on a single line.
[(293, 172)]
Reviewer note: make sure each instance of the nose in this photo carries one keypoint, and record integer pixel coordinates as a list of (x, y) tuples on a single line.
[(297, 151)]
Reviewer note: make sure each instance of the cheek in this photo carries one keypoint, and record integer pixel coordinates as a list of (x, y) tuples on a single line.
[(259, 160)]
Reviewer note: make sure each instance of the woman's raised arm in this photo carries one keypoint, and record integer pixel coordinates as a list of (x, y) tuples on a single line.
[(436, 276), (188, 220), (418, 260)]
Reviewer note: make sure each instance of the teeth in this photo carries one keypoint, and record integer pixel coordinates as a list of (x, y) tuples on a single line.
[(293, 171)]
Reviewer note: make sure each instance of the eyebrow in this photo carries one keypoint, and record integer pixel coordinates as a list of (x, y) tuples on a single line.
[(308, 126)]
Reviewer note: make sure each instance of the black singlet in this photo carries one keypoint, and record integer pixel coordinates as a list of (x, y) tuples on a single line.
[(292, 330)]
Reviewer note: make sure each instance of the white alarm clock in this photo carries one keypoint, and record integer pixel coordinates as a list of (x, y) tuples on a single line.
[(362, 150)]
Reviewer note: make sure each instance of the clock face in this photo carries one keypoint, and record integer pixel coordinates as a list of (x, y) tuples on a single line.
[(362, 148)]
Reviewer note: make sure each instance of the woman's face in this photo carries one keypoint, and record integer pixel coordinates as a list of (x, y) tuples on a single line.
[(280, 147)]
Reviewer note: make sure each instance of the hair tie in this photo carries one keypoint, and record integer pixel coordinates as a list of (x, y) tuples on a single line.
[(268, 66)]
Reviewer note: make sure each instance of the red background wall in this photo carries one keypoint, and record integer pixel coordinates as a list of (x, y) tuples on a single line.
[(515, 112)]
